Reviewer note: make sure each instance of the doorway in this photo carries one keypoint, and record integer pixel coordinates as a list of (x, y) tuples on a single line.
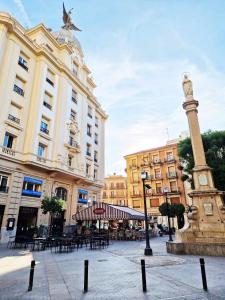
[(27, 221), (2, 208), (57, 224)]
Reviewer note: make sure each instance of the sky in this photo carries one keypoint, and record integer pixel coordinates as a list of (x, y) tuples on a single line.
[(138, 51)]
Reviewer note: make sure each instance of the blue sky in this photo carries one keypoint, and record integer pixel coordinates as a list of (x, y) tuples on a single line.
[(137, 51)]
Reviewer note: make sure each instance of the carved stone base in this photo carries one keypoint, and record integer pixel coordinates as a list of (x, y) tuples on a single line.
[(211, 249)]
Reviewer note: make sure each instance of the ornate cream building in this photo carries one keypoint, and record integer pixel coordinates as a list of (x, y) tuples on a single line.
[(161, 164), (115, 190), (51, 126)]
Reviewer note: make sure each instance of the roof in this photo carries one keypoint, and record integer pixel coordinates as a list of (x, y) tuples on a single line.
[(153, 149), (103, 211)]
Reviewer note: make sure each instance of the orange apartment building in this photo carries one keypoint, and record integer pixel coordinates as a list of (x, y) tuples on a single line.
[(161, 163), (115, 190)]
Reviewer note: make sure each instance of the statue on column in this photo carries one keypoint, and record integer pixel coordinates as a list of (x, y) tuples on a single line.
[(187, 88)]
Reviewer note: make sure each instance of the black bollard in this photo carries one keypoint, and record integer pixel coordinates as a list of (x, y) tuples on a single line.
[(204, 281), (143, 275), (85, 276), (31, 275)]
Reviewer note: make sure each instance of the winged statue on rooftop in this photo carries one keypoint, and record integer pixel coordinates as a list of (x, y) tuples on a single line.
[(68, 24)]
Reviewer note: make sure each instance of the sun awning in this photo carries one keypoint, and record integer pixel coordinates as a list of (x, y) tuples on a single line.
[(103, 211)]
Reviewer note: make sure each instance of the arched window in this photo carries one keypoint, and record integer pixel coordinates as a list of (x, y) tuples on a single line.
[(61, 193)]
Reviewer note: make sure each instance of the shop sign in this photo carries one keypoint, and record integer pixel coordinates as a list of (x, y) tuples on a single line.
[(99, 211)]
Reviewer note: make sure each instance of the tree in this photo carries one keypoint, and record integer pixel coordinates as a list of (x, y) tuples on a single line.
[(53, 206), (214, 147), (173, 210)]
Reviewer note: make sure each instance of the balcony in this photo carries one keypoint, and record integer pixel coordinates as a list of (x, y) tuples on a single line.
[(156, 177), (136, 195), (41, 159), (170, 159), (14, 119), (44, 129), (73, 143), (157, 191), (18, 90), (4, 189), (49, 81), (156, 161), (173, 191), (8, 151), (46, 104), (135, 180), (171, 175)]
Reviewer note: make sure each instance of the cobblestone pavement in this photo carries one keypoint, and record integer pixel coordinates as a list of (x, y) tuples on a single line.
[(114, 273)]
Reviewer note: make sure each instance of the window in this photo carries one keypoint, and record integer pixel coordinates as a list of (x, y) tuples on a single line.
[(95, 156), (112, 194), (96, 121), (74, 68), (89, 130), (19, 86), (72, 141), (74, 96), (173, 186), (32, 187), (95, 173), (44, 127), (50, 78), (41, 150), (171, 172), (158, 188), (88, 167), (169, 156), (154, 202), (155, 159), (157, 173), (47, 101), (22, 62), (70, 160), (96, 138), (73, 115), (3, 184), (61, 193), (88, 152), (82, 196), (8, 140), (89, 111)]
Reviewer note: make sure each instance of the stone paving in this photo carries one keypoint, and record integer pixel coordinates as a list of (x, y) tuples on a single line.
[(114, 273)]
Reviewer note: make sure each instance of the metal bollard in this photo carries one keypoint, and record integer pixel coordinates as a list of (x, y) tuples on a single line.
[(85, 276), (204, 281), (31, 275), (143, 275)]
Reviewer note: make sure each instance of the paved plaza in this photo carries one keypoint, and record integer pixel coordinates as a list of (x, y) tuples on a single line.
[(114, 273)]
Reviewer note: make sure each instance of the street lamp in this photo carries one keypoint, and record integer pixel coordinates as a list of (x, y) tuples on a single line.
[(148, 250), (165, 190)]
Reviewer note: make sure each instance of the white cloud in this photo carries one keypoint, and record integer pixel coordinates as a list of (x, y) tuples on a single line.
[(23, 12), (144, 99)]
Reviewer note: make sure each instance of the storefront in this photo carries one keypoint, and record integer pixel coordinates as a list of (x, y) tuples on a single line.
[(2, 208), (27, 221)]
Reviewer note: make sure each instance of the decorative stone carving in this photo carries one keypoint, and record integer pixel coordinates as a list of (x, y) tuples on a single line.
[(208, 208)]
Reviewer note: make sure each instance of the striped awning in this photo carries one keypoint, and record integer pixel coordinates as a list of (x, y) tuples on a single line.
[(103, 211)]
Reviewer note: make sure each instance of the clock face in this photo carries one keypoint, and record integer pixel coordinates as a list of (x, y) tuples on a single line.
[(202, 179)]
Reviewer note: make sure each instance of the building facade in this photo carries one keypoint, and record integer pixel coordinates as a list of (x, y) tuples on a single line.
[(115, 190), (51, 126), (161, 164)]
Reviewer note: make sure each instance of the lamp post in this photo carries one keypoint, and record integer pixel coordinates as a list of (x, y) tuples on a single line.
[(148, 250), (167, 204)]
